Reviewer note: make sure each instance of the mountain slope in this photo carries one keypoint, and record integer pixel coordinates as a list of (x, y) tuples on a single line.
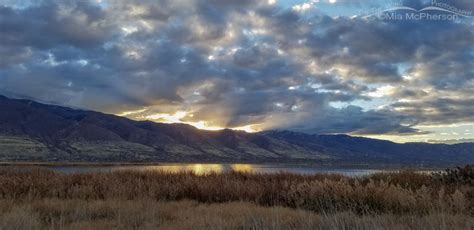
[(34, 131), (68, 134), (359, 149)]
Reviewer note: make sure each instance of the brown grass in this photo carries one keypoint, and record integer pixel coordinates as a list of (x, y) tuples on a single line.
[(404, 192), (132, 199), (145, 214)]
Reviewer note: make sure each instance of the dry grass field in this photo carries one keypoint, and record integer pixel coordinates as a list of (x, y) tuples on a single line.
[(42, 199)]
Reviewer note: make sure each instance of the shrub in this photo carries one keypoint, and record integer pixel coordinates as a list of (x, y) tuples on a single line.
[(459, 175)]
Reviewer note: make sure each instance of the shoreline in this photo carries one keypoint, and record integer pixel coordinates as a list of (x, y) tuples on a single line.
[(164, 163)]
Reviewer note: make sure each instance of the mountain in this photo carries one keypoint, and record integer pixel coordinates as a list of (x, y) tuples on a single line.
[(31, 131), (451, 141)]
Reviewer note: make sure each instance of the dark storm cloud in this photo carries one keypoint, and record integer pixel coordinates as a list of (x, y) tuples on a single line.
[(77, 24), (13, 55), (235, 63), (360, 122)]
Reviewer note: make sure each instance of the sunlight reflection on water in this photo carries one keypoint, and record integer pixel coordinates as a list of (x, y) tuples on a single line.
[(202, 169), (198, 169)]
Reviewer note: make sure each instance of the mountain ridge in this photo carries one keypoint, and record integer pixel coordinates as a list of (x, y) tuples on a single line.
[(32, 131)]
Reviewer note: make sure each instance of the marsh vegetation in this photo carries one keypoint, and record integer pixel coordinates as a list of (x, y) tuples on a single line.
[(38, 198)]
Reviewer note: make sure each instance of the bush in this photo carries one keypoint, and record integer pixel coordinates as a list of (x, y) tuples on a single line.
[(459, 175)]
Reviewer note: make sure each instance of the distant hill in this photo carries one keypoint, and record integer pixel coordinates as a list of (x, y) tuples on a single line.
[(451, 141), (31, 131)]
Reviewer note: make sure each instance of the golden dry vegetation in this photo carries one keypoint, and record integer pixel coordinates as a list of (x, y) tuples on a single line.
[(37, 198)]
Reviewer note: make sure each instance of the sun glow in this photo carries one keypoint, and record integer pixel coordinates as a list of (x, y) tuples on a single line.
[(128, 113), (202, 125), (205, 125), (179, 117), (167, 118), (247, 128)]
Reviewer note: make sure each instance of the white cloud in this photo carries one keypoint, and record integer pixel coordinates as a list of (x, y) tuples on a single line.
[(382, 91), (302, 7), (129, 29)]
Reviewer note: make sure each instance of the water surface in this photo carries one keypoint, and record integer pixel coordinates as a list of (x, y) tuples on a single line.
[(201, 169)]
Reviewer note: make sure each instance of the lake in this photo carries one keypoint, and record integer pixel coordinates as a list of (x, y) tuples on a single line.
[(201, 169)]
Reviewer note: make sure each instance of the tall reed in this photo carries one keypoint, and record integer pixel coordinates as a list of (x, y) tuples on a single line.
[(395, 193)]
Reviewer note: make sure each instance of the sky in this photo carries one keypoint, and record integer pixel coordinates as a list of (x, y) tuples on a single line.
[(363, 68)]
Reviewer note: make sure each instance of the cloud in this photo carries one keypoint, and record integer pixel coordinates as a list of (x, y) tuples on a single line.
[(239, 63), (77, 24)]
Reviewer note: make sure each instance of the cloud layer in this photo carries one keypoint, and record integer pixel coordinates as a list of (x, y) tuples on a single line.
[(240, 64)]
